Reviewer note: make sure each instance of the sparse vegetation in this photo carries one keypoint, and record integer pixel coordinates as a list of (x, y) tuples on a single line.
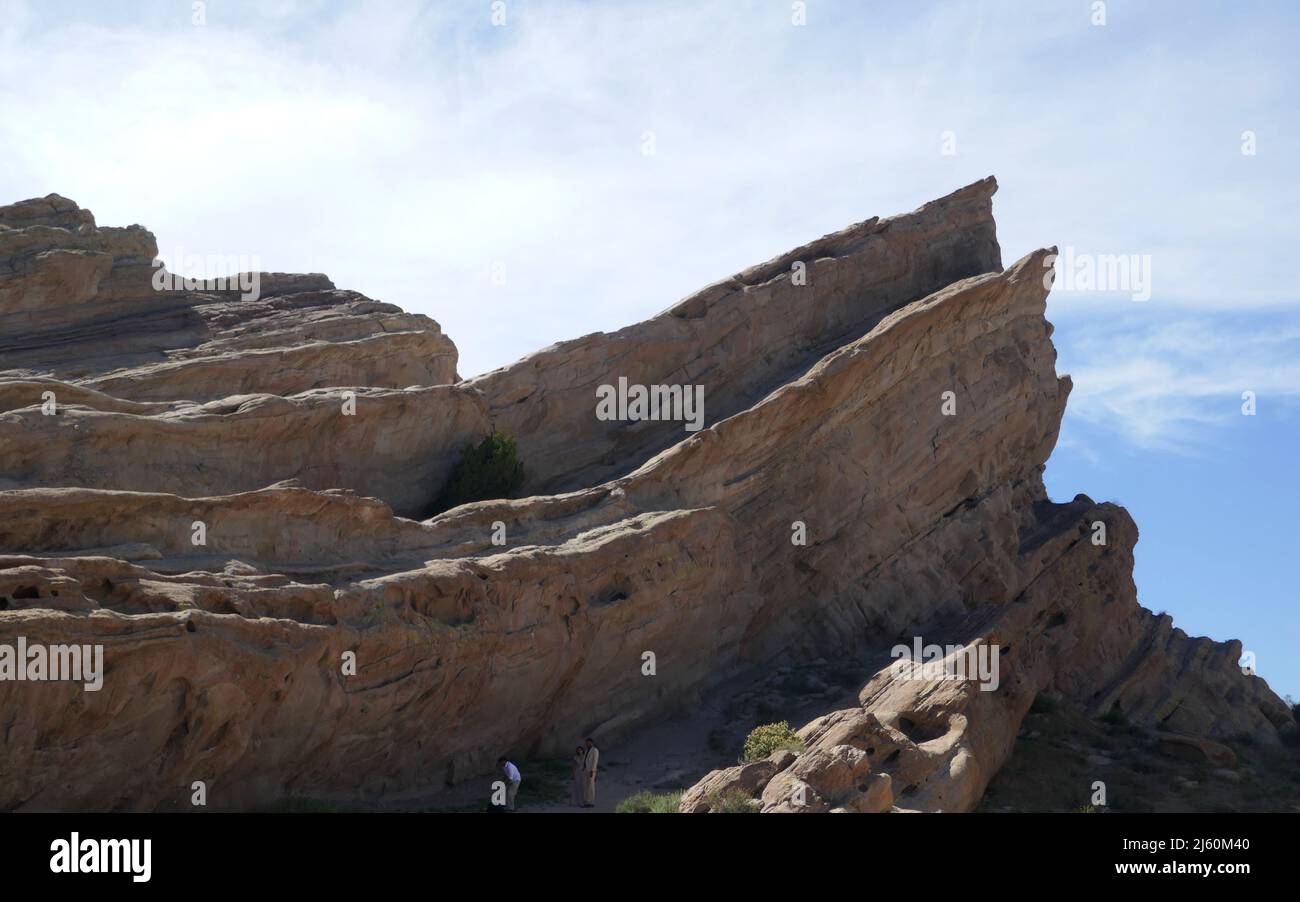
[(1115, 716), (491, 469), (1056, 771), (768, 738), (650, 803), (731, 801), (1043, 704), (797, 683), (546, 782)]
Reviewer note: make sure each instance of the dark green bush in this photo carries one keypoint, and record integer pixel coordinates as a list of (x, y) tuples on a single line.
[(1115, 716), (1043, 704), (488, 470)]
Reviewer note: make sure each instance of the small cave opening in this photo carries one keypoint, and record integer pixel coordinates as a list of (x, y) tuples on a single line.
[(920, 729)]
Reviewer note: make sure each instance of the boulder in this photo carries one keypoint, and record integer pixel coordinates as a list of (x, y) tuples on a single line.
[(1197, 749)]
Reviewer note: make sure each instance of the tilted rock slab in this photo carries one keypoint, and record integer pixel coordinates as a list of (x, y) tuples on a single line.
[(739, 338)]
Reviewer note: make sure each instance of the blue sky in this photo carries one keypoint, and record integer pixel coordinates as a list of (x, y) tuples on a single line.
[(413, 150)]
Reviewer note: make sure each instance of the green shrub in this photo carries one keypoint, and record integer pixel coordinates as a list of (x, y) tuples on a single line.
[(731, 801), (647, 802), (1115, 716), (1043, 704), (485, 472), (763, 741)]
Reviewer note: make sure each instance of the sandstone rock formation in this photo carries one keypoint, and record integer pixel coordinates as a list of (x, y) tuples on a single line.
[(824, 400), (227, 395)]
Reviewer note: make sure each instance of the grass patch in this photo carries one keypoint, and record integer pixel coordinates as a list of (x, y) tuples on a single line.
[(546, 782), (647, 802), (731, 801)]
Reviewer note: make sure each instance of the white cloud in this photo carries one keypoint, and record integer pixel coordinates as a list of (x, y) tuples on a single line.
[(1171, 383), (403, 148)]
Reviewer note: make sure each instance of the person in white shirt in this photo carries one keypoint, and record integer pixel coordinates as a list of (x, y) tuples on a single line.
[(512, 781), (589, 763)]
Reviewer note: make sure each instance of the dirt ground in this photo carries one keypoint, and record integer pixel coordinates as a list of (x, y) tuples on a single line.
[(673, 754), (1059, 754)]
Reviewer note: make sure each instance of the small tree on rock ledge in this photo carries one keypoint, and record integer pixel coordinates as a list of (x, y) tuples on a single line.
[(486, 471)]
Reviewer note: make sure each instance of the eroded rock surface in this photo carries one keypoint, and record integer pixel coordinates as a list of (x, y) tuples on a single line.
[(825, 407), (204, 391)]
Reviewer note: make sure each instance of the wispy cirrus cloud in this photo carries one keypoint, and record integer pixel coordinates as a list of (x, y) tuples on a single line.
[(1169, 380)]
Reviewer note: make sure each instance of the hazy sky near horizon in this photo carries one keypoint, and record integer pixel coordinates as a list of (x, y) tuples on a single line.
[(414, 150)]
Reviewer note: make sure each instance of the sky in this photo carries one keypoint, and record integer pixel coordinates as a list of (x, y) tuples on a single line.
[(576, 166)]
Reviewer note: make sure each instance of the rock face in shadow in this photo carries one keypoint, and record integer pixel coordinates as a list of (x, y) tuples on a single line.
[(896, 409)]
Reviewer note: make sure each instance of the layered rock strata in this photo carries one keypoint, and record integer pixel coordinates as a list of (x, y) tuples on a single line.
[(897, 407)]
